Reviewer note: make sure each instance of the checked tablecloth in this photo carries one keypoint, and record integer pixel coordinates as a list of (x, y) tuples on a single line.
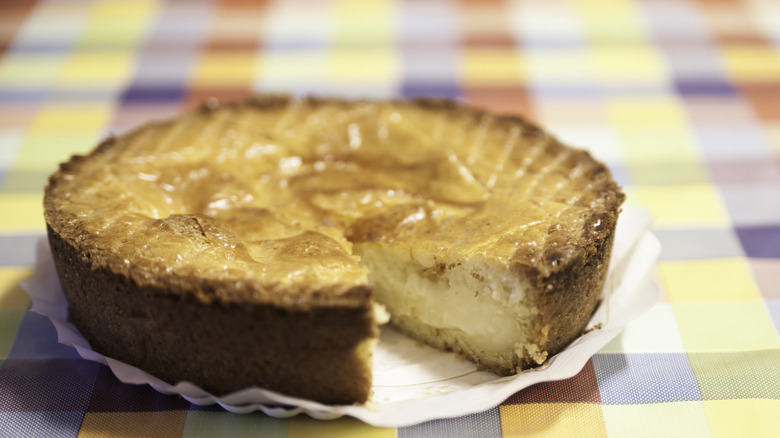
[(681, 98)]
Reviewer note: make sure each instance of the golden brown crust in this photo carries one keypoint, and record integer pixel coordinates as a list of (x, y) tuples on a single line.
[(180, 235), (568, 299), (226, 289), (220, 347)]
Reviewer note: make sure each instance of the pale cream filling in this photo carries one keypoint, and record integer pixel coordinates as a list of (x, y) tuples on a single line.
[(484, 306)]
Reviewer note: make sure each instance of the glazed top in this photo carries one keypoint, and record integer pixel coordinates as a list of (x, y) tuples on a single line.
[(270, 194)]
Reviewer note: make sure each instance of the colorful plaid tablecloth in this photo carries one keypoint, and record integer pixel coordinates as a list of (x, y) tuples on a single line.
[(680, 97)]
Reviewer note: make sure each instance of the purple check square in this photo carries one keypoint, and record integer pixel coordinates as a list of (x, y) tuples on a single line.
[(439, 90), (37, 338), (760, 241), (645, 378), (704, 86), (55, 385), (41, 424), (111, 395), (484, 424), (145, 94)]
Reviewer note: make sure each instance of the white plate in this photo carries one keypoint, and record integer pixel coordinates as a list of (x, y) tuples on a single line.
[(412, 384)]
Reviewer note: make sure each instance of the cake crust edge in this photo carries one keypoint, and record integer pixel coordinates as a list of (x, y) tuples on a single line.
[(177, 337)]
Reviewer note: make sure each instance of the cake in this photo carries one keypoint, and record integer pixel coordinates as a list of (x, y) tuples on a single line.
[(256, 243)]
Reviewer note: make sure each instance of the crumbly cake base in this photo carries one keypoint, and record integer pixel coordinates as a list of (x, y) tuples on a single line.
[(321, 354)]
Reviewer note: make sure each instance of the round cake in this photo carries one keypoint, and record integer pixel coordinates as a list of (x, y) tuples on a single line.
[(254, 243)]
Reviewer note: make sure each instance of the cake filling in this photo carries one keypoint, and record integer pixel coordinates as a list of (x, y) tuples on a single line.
[(471, 306)]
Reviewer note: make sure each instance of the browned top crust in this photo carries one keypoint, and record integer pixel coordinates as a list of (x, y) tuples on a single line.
[(260, 201)]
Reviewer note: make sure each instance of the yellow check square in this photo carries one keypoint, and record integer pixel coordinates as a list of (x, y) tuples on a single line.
[(684, 170), (605, 19), (364, 22), (96, 69), (552, 420), (117, 23), (725, 326), (363, 67), (71, 119), (9, 324), (680, 205), (27, 211), (646, 113), (493, 67), (235, 69), (709, 280), (205, 424), (42, 152), (629, 64), (682, 418), (303, 426), (752, 63), (12, 297), (645, 147), (28, 71), (59, 130), (749, 418)]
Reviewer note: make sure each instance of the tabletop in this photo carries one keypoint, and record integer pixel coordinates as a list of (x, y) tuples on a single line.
[(681, 99)]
